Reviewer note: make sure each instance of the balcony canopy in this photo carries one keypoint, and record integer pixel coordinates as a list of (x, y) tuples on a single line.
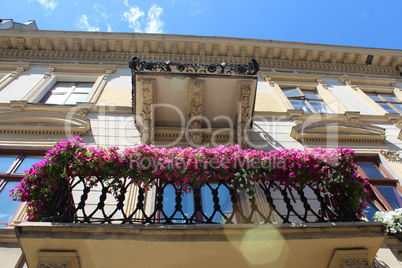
[(193, 104)]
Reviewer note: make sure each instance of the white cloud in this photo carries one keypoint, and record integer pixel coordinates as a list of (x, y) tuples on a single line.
[(101, 9), (154, 23), (133, 17), (47, 4), (109, 28), (84, 24), (125, 3)]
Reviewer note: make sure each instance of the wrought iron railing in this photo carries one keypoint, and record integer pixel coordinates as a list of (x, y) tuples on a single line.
[(213, 202), (137, 65)]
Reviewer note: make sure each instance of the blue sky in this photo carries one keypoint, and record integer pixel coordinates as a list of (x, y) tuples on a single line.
[(369, 23)]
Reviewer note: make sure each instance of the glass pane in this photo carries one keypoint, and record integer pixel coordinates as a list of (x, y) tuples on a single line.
[(311, 95), (83, 87), (301, 105), (320, 107), (292, 92), (388, 108), (77, 97), (392, 196), (398, 106), (371, 170), (370, 210), (6, 161), (169, 203), (389, 97), (55, 99), (7, 205), (224, 202), (63, 87), (28, 162), (374, 97)]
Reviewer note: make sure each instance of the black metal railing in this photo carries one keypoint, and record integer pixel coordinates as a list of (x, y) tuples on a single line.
[(213, 202), (251, 68)]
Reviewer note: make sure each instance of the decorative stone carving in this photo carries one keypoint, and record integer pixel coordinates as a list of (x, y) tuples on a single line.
[(62, 45), (202, 50), (270, 53), (257, 52), (174, 48), (346, 58), (215, 50), (196, 112), (230, 51), (381, 62), (393, 62), (243, 52), (5, 43), (321, 58), (269, 80), (309, 56), (349, 84), (21, 43), (103, 45), (49, 45), (58, 259), (283, 54), (35, 44), (333, 58), (77, 44), (358, 59), (146, 48), (118, 46), (244, 113), (133, 46), (147, 126), (189, 48), (390, 155), (296, 54), (321, 83), (90, 44), (82, 112), (161, 47)]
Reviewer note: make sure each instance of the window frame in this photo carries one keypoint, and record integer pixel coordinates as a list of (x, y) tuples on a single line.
[(385, 101), (96, 74), (66, 94), (305, 99), (379, 200), (11, 176)]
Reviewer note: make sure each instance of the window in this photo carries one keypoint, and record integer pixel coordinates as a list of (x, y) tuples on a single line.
[(306, 100), (387, 101), (12, 168), (68, 93), (387, 193)]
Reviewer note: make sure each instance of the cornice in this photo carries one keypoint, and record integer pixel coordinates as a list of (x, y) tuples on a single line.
[(119, 48)]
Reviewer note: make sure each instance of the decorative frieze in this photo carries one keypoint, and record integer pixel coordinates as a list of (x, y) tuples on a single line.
[(133, 47), (49, 45), (333, 58), (118, 46), (321, 57), (89, 45), (381, 61), (230, 51), (296, 54), (393, 62), (62, 45), (146, 47), (161, 47), (35, 44), (196, 112), (215, 50), (358, 59), (257, 52), (189, 48), (202, 50), (21, 44), (283, 54), (390, 155), (244, 114), (77, 44), (243, 52), (103, 45), (346, 58), (174, 48), (309, 56), (270, 53), (146, 114), (5, 43)]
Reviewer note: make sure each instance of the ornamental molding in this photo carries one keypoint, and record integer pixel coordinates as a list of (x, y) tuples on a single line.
[(58, 259), (350, 258), (196, 99), (43, 123), (391, 155), (338, 131), (292, 56), (146, 114)]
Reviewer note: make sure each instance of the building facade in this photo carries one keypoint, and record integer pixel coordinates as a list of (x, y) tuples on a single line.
[(56, 85)]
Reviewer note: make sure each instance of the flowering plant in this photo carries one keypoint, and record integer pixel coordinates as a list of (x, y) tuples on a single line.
[(241, 168), (392, 221)]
